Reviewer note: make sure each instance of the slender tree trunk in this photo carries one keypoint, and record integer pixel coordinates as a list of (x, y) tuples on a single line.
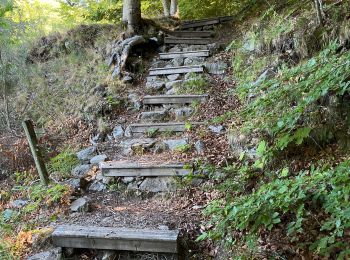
[(166, 7), (125, 11), (6, 104), (318, 6), (173, 7)]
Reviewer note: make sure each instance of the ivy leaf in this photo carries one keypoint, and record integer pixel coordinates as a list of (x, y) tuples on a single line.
[(261, 149)]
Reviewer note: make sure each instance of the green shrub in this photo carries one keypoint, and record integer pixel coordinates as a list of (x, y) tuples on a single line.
[(64, 162), (318, 194)]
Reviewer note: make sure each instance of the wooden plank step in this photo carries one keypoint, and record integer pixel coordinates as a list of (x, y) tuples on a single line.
[(185, 54), (200, 23), (197, 34), (173, 99), (160, 127), (103, 238), (121, 169), (226, 18), (191, 41), (175, 70)]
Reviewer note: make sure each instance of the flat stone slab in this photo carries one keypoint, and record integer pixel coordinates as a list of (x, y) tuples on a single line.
[(192, 41), (174, 99), (104, 238), (160, 127), (176, 70), (122, 169), (185, 54), (187, 34)]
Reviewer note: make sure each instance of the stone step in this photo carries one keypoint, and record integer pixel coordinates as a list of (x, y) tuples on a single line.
[(173, 99), (176, 70), (122, 169), (185, 54), (190, 41), (104, 238), (160, 127), (197, 34)]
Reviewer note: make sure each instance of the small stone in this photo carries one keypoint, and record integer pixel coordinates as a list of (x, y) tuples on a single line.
[(128, 132), (158, 184), (81, 170), (53, 254), (196, 182), (152, 116), (80, 205), (97, 186), (196, 48), (127, 180), (74, 183), (217, 68), (199, 146), (163, 227), (133, 186), (175, 143), (266, 75), (175, 49), (135, 100), (194, 61), (160, 148), (118, 132), (173, 84), (177, 62), (171, 91), (98, 159), (127, 79), (216, 129), (173, 77), (214, 48), (109, 255), (86, 154), (18, 204), (183, 112)]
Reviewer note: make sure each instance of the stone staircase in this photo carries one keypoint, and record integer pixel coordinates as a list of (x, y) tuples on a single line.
[(186, 51)]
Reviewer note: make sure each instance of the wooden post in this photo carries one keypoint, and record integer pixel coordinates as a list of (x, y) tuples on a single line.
[(34, 147)]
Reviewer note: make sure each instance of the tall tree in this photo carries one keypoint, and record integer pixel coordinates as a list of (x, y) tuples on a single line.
[(166, 7), (132, 14), (173, 7)]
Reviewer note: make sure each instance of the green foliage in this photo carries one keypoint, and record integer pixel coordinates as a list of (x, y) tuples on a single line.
[(5, 251), (286, 107), (183, 148), (64, 162), (321, 194), (196, 84)]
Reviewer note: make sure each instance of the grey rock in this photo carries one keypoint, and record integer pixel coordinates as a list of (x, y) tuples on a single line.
[(118, 132), (199, 146), (109, 255), (132, 186), (177, 62), (103, 179), (74, 183), (163, 227), (171, 91), (127, 79), (173, 77), (175, 49), (160, 148), (196, 182), (216, 129), (173, 144), (128, 132), (158, 64), (80, 205), (86, 154), (53, 254), (81, 170), (183, 112), (158, 184), (152, 116), (196, 48), (98, 159), (97, 186), (173, 84), (18, 204), (135, 100), (128, 146), (208, 28), (155, 83), (194, 61), (127, 180), (217, 68), (266, 75), (249, 45), (214, 48)]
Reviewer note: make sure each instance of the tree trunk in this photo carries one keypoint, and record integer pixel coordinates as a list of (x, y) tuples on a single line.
[(173, 7), (132, 14), (166, 7), (318, 6), (125, 11)]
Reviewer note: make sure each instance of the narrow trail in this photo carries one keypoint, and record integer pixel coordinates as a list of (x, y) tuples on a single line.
[(131, 221)]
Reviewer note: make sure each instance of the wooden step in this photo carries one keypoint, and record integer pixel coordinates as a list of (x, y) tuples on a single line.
[(104, 238), (187, 34), (185, 54), (199, 23), (190, 41), (173, 99), (122, 169), (160, 127), (226, 18), (175, 70)]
